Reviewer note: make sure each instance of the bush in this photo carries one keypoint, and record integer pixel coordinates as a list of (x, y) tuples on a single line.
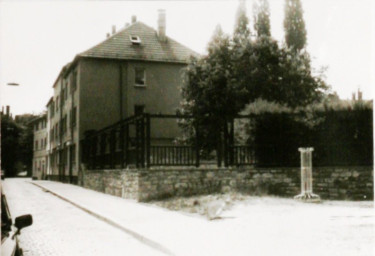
[(341, 133)]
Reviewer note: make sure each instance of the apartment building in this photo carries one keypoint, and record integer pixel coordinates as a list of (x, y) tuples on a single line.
[(135, 69)]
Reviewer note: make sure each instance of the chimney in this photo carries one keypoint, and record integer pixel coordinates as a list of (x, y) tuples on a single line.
[(359, 95), (8, 110), (134, 19), (353, 96), (108, 35), (161, 25), (113, 29)]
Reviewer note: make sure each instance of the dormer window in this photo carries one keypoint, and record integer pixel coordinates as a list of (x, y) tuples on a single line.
[(135, 40)]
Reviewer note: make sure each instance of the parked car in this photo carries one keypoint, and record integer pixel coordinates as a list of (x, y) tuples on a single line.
[(10, 232)]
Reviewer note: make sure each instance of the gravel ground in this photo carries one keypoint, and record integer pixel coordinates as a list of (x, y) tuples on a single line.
[(198, 205)]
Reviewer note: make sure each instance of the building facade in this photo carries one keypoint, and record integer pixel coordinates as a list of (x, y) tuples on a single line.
[(138, 69), (40, 153)]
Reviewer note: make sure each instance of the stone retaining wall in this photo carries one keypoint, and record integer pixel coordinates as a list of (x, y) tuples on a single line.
[(349, 183)]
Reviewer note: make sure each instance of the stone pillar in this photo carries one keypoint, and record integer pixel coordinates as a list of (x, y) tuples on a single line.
[(306, 177)]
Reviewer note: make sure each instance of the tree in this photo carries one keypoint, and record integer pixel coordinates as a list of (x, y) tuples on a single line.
[(294, 25), (25, 154), (300, 86), (10, 133), (241, 52), (241, 34), (207, 93), (237, 71), (262, 18), (16, 143)]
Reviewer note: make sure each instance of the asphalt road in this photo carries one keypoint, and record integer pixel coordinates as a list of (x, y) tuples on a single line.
[(59, 228)]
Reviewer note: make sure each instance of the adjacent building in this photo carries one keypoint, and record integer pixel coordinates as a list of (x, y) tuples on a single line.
[(137, 69), (40, 153)]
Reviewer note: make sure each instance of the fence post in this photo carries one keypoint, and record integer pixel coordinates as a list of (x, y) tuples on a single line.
[(126, 146), (197, 145), (231, 142), (122, 146), (219, 145), (94, 150), (143, 151), (225, 143), (136, 123), (102, 149), (148, 140), (112, 147)]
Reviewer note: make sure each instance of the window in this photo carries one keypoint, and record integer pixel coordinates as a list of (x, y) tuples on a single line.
[(64, 125), (139, 109), (52, 109), (65, 95), (52, 136), (36, 145), (140, 77), (73, 153), (73, 116), (57, 104), (135, 40), (73, 82), (57, 131), (62, 97)]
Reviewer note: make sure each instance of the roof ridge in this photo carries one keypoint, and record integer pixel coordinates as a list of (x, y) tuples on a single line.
[(119, 46)]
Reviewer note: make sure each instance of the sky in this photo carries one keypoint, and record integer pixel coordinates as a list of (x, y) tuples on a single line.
[(37, 38)]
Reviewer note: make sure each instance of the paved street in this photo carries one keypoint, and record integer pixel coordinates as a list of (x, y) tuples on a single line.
[(255, 226), (59, 228)]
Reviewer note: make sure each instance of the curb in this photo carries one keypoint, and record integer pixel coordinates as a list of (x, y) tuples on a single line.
[(134, 234)]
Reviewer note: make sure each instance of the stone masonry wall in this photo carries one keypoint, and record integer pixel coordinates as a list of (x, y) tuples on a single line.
[(334, 183)]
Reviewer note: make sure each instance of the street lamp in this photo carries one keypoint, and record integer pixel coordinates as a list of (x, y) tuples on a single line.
[(13, 84)]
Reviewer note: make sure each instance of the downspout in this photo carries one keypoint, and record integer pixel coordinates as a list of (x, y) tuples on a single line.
[(61, 164), (71, 131), (120, 91)]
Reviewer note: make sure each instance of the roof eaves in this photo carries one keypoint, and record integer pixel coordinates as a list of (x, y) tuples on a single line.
[(49, 101), (62, 71), (37, 118), (136, 59)]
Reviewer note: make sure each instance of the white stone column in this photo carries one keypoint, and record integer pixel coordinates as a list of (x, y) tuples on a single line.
[(306, 176)]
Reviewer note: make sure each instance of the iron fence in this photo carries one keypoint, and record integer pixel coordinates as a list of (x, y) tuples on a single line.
[(138, 141)]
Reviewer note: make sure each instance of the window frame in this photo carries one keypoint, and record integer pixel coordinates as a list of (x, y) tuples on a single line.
[(136, 70)]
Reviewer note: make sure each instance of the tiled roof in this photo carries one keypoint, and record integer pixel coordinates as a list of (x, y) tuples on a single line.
[(119, 46)]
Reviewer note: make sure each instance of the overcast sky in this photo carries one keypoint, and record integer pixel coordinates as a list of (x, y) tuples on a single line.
[(37, 38)]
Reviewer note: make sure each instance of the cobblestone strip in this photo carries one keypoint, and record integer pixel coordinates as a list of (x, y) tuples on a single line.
[(137, 236)]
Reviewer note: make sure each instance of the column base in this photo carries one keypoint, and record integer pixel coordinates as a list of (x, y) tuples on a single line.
[(308, 197)]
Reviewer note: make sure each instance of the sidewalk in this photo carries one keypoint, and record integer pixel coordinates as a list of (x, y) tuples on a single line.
[(262, 226), (167, 231)]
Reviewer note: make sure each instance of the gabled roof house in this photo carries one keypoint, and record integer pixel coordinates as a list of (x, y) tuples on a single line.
[(136, 69)]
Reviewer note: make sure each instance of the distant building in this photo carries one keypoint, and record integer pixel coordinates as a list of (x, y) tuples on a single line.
[(6, 112), (359, 96), (40, 154), (134, 70)]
